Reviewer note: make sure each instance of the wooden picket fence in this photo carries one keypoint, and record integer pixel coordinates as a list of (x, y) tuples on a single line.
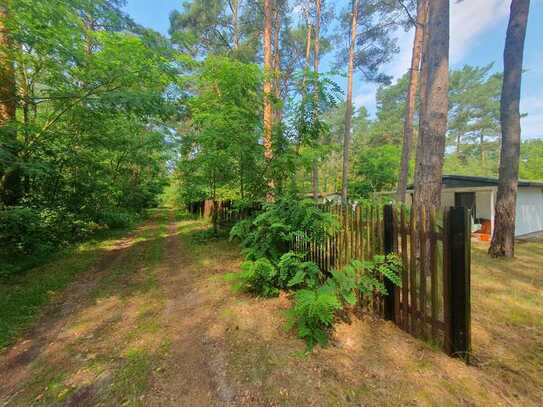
[(222, 213), (433, 302)]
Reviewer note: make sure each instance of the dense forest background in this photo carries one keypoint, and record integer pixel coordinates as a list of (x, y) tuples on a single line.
[(103, 119)]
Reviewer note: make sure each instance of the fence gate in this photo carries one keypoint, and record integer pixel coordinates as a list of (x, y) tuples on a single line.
[(433, 302)]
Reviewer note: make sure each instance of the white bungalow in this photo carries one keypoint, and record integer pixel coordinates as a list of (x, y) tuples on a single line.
[(479, 194)]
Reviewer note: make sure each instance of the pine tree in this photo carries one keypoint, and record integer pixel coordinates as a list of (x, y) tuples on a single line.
[(10, 182), (414, 72), (435, 106), (503, 240), (268, 69), (349, 103)]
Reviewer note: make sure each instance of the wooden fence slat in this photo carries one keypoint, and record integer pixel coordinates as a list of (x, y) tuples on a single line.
[(433, 272), (405, 272), (460, 260), (413, 272), (397, 290), (447, 342), (389, 301), (422, 271), (363, 237)]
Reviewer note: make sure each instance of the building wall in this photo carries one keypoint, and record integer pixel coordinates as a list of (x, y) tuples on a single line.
[(529, 211), (484, 210), (447, 198)]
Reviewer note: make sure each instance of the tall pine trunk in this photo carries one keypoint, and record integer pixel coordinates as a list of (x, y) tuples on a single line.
[(278, 114), (431, 150), (234, 7), (349, 104), (268, 76), (315, 165), (306, 67), (414, 73), (10, 179), (7, 72), (503, 239)]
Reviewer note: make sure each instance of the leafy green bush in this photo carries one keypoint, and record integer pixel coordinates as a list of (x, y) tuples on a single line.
[(117, 219), (28, 235), (314, 309), (62, 227), (371, 273), (313, 314), (365, 277), (259, 277), (294, 272), (21, 231), (270, 266), (270, 233), (345, 283)]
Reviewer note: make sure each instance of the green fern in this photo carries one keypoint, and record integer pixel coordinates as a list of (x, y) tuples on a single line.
[(345, 283), (296, 273), (313, 314), (259, 277)]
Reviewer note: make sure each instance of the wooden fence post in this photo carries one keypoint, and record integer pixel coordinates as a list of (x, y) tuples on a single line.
[(215, 216), (388, 223), (459, 241)]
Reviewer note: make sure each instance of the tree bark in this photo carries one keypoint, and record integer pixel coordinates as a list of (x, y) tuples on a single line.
[(429, 165), (414, 73), (277, 62), (307, 48), (10, 177), (315, 165), (268, 111), (234, 7), (349, 104), (503, 239), (306, 66), (8, 102)]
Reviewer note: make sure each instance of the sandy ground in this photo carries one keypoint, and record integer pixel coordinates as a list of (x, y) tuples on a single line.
[(155, 323)]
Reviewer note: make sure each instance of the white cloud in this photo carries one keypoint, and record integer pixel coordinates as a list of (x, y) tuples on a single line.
[(469, 20), (532, 124), (366, 99)]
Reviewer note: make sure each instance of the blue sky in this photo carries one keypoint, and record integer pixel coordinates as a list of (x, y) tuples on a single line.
[(477, 38)]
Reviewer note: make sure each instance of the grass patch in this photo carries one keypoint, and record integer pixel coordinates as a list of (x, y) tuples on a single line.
[(132, 379), (23, 295)]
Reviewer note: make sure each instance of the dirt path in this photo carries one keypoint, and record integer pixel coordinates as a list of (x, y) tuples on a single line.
[(195, 374), (132, 330), (155, 323)]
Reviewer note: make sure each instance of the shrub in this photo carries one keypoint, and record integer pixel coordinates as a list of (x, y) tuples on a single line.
[(344, 283), (296, 273), (314, 309), (270, 233), (117, 219), (27, 235), (259, 277), (62, 227), (313, 314), (371, 273), (21, 232)]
